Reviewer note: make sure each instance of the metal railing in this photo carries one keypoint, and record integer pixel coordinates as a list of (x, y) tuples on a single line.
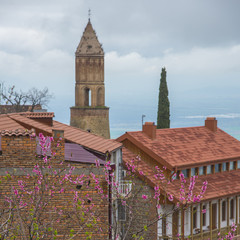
[(125, 187)]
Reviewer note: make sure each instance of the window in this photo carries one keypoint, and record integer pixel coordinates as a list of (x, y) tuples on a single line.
[(231, 209), (204, 215), (217, 168), (114, 158), (201, 171), (185, 173), (194, 217), (238, 164), (193, 171), (121, 210), (174, 175), (224, 211), (209, 169), (231, 166), (224, 167), (178, 172), (46, 150)]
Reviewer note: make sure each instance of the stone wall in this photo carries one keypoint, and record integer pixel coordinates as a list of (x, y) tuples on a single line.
[(94, 119)]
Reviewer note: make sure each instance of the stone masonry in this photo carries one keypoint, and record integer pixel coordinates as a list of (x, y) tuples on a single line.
[(90, 112)]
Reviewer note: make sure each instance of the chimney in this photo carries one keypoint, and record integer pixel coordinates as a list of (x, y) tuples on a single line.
[(149, 128), (211, 123)]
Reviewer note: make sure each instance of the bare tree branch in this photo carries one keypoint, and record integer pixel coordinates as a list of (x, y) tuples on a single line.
[(32, 97)]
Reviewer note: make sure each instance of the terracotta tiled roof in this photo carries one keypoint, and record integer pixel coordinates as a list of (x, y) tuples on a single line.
[(87, 139), (17, 132), (8, 123), (185, 147), (39, 114), (219, 184), (74, 135), (23, 120)]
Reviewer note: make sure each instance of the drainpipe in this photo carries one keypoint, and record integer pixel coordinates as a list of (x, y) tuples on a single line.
[(110, 201)]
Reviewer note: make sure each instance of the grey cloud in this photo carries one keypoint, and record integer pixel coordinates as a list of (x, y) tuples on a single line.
[(194, 39)]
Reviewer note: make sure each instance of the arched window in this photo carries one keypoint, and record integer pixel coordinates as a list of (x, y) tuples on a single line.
[(100, 97), (87, 97)]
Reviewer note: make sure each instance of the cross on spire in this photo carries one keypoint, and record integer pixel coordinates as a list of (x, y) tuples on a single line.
[(89, 14)]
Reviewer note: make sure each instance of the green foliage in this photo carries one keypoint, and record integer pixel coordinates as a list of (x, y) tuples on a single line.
[(163, 118)]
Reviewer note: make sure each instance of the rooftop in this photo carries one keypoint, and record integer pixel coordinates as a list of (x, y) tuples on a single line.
[(186, 147), (22, 121), (219, 184)]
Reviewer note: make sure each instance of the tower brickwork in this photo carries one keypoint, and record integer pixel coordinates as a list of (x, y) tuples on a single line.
[(90, 112)]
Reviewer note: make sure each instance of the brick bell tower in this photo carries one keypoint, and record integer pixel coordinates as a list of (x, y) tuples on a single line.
[(90, 112)]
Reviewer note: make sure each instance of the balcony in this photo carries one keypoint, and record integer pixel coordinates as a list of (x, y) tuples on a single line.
[(124, 189)]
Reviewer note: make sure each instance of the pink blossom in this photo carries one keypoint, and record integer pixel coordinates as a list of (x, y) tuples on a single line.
[(144, 196)]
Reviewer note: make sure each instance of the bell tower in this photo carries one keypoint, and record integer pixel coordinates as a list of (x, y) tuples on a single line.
[(90, 112)]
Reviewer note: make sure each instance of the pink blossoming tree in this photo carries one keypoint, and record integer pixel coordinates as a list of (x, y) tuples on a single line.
[(54, 200)]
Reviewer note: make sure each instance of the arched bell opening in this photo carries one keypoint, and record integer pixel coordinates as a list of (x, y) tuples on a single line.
[(87, 97)]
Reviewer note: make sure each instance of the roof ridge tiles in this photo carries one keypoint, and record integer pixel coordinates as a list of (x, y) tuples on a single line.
[(17, 132)]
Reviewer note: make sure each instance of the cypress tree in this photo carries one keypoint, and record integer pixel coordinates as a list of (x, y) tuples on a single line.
[(163, 118)]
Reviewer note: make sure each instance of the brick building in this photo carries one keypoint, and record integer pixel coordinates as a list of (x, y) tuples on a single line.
[(206, 151), (78, 149)]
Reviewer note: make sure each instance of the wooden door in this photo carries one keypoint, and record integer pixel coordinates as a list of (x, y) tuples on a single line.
[(214, 216)]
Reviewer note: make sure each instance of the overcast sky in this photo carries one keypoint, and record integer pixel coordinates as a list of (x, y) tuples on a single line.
[(197, 41)]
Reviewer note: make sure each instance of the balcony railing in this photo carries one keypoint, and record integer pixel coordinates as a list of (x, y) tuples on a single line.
[(124, 189)]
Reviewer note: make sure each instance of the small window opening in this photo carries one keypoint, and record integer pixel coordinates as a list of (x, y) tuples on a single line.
[(201, 171), (87, 97), (224, 167), (121, 210), (231, 166), (209, 169)]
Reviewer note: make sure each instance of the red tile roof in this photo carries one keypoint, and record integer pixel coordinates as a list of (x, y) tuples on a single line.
[(39, 114), (17, 132), (87, 139), (186, 147), (22, 121), (219, 184), (7, 123)]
